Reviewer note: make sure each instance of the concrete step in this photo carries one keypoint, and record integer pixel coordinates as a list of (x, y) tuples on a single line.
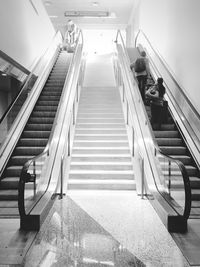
[(99, 158), (100, 131), (101, 184), (100, 137), (93, 116), (95, 150), (100, 111), (115, 166), (101, 174), (101, 155), (100, 125), (103, 143), (100, 120)]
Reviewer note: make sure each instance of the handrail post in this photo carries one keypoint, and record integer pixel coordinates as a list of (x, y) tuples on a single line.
[(127, 110), (133, 141), (61, 178), (123, 93), (77, 92), (34, 177), (73, 115), (169, 185), (68, 143), (142, 170)]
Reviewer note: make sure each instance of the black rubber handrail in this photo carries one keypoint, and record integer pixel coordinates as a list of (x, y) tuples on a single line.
[(26, 84), (169, 73), (24, 173), (24, 87), (13, 62), (181, 166), (197, 138)]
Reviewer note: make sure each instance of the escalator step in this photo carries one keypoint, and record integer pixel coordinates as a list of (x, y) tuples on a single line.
[(48, 108), (53, 88), (174, 150), (9, 204), (52, 83), (38, 127), (19, 160), (9, 194), (169, 141), (196, 194), (50, 92), (50, 98), (36, 134), (13, 171), (43, 114), (165, 127), (28, 151), (183, 158), (39, 120), (195, 183), (48, 103), (10, 183), (33, 142), (166, 134), (191, 170)]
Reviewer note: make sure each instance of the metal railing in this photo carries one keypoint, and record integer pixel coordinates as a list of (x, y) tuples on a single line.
[(169, 175)]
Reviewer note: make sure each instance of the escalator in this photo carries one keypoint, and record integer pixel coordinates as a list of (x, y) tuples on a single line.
[(35, 135), (171, 142)]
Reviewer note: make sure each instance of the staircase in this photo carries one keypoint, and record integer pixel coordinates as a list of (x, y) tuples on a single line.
[(100, 156), (34, 136), (171, 143)]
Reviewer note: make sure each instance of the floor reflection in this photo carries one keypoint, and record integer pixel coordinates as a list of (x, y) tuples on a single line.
[(70, 237)]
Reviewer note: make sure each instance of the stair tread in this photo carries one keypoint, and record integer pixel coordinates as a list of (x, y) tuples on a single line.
[(99, 181)]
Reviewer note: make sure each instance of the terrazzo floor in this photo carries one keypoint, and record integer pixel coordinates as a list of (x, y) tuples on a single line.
[(102, 229)]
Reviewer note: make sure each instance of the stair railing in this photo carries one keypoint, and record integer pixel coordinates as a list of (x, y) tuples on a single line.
[(44, 169), (164, 169), (180, 103)]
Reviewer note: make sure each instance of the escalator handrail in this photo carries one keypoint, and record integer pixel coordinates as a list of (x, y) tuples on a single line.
[(194, 136), (157, 148), (23, 174), (13, 62), (26, 84), (163, 62)]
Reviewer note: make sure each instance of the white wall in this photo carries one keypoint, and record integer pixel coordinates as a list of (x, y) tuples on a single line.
[(25, 30), (172, 26), (99, 71)]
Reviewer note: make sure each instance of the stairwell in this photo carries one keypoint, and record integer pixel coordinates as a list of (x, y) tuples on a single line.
[(101, 157)]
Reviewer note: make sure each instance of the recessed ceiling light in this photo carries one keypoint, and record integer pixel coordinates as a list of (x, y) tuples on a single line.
[(48, 3), (95, 3), (85, 13), (3, 74)]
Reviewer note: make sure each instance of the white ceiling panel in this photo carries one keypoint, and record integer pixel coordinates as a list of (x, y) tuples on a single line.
[(119, 12)]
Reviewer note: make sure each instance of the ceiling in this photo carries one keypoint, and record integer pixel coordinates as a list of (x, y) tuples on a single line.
[(119, 13)]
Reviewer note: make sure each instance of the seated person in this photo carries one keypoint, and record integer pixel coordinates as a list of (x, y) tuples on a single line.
[(156, 95), (70, 37)]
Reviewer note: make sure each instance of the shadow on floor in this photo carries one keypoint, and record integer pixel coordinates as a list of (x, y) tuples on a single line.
[(70, 237)]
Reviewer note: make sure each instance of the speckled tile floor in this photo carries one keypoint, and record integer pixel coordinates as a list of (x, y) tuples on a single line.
[(101, 229)]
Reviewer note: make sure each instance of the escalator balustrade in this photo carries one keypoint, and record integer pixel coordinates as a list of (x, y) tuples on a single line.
[(170, 141), (34, 136)]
